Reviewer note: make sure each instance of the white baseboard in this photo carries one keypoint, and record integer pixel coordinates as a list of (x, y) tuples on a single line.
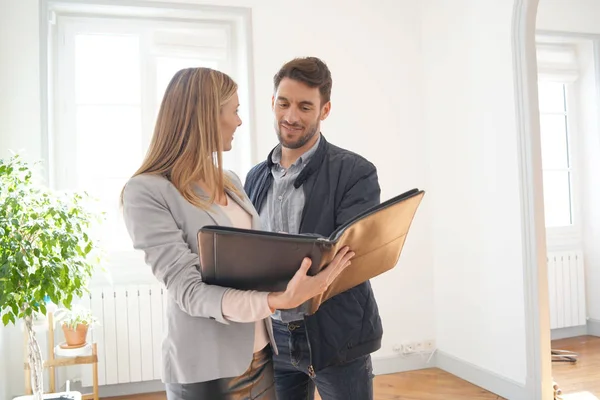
[(564, 333), (487, 380), (593, 327), (394, 364)]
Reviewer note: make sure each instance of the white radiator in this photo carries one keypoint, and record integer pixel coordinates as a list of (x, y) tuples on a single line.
[(566, 288), (130, 333)]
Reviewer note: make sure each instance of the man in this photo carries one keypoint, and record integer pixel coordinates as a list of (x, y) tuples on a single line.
[(310, 186)]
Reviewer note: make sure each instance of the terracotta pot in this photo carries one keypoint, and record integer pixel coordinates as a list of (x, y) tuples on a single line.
[(75, 337)]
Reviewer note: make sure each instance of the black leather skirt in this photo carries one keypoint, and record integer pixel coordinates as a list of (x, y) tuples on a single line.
[(257, 383)]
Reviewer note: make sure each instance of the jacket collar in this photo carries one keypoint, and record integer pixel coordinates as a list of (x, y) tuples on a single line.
[(276, 154), (313, 164)]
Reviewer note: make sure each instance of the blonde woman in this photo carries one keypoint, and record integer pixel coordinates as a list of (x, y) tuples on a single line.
[(218, 343)]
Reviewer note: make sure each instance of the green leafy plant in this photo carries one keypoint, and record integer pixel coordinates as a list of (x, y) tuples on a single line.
[(75, 316), (46, 252)]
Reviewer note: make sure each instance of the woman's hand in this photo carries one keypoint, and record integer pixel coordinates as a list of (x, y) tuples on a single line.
[(303, 287)]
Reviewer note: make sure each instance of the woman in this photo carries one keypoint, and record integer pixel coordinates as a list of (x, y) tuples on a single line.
[(218, 340)]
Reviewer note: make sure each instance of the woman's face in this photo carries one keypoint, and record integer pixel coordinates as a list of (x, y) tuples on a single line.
[(229, 121)]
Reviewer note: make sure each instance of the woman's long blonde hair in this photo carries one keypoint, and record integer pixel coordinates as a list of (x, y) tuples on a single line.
[(187, 145)]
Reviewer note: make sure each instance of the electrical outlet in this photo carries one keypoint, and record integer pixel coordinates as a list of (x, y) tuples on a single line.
[(397, 348), (419, 347), (429, 345), (408, 347)]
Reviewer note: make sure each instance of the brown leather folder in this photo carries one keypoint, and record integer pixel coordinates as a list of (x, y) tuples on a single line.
[(266, 261)]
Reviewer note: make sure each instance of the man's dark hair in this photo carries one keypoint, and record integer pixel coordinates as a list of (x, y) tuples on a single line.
[(309, 70)]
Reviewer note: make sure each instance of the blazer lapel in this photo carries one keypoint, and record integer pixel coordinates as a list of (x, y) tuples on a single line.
[(220, 218), (214, 211)]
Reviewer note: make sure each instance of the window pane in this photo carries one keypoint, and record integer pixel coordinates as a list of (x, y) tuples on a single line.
[(557, 198), (109, 141), (555, 150), (112, 233), (107, 69), (166, 67), (551, 97)]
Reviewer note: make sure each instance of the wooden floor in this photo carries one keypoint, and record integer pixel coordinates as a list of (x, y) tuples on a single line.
[(580, 381), (430, 384)]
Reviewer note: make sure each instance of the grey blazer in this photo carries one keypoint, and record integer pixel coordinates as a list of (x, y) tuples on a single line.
[(199, 344)]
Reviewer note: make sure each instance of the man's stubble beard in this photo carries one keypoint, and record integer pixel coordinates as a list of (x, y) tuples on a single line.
[(310, 133)]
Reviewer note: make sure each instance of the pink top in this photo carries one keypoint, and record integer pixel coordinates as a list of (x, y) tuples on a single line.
[(244, 305)]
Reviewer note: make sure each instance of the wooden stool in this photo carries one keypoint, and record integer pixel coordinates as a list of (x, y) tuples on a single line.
[(54, 362)]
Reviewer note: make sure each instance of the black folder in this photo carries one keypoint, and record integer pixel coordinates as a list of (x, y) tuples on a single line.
[(260, 260)]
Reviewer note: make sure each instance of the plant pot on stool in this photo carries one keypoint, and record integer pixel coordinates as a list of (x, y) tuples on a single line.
[(75, 324), (75, 336)]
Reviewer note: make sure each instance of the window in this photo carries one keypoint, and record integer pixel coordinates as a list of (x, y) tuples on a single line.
[(556, 154), (559, 82), (109, 68)]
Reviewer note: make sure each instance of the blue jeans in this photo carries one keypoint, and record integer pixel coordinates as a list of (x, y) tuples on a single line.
[(350, 381)]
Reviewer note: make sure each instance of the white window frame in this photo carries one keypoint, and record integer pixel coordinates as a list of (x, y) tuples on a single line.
[(65, 92), (57, 117), (568, 236)]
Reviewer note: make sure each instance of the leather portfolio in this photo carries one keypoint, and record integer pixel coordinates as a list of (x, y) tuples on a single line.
[(260, 260)]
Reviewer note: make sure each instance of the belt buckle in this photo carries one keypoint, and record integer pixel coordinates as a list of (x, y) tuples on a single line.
[(292, 326)]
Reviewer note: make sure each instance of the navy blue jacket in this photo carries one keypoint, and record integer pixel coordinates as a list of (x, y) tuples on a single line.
[(338, 184)]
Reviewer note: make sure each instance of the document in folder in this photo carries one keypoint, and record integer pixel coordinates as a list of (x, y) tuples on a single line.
[(259, 260)]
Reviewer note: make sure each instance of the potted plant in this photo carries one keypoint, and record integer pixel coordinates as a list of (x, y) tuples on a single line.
[(75, 324), (46, 251)]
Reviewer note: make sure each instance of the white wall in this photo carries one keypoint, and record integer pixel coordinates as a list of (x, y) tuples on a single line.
[(583, 16), (474, 187), (375, 57), (19, 129), (3, 365), (19, 78)]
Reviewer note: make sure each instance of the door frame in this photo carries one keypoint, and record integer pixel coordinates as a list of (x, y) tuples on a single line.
[(538, 382)]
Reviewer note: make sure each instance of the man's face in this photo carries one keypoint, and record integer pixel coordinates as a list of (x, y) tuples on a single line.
[(298, 113)]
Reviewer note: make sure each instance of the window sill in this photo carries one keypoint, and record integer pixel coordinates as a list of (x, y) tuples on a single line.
[(123, 268), (558, 239)]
